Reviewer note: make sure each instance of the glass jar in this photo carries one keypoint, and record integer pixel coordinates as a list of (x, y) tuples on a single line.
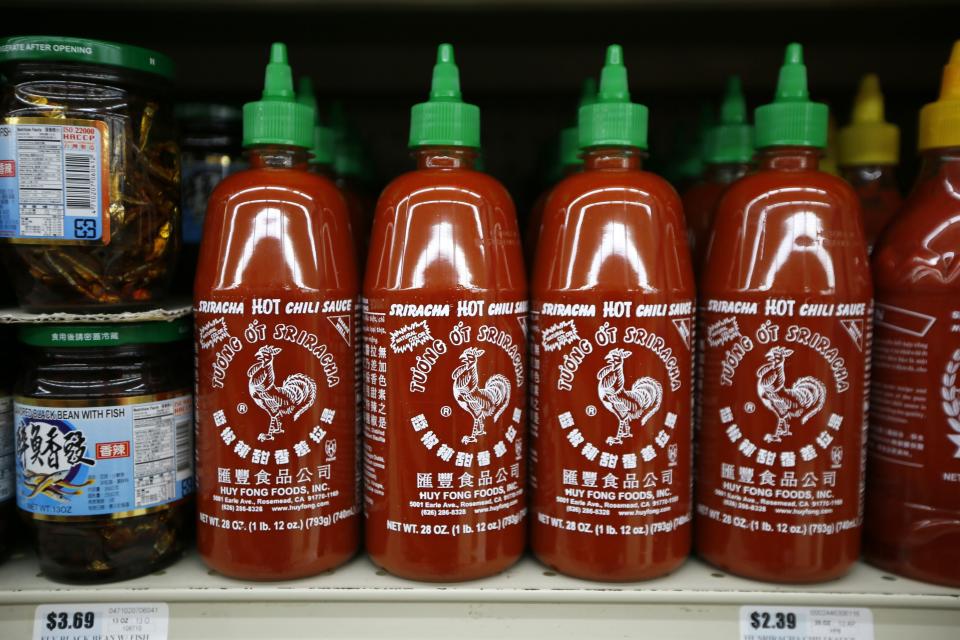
[(103, 425), (210, 146), (89, 173)]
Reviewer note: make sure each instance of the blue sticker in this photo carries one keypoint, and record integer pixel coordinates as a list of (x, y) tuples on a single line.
[(87, 460), (51, 181)]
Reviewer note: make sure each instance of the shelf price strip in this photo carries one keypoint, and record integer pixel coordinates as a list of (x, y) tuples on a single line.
[(805, 623), (118, 621)]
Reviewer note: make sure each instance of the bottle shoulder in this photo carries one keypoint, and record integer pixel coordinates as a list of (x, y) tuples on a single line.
[(794, 232), (456, 185), (295, 185), (918, 250), (445, 233), (584, 187), (613, 232)]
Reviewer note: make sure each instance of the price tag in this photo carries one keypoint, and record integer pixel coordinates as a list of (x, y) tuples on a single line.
[(805, 623), (119, 621)]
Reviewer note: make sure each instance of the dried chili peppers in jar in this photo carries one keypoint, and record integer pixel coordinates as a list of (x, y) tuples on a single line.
[(89, 173), (103, 429)]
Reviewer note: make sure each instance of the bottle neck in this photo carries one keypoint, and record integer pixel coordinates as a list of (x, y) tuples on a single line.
[(613, 158), (941, 164), (869, 173), (725, 172), (321, 169), (446, 157), (275, 156), (789, 158)]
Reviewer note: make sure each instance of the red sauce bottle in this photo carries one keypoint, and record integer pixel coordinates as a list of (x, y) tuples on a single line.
[(785, 318), (869, 148), (274, 304), (611, 357), (727, 155), (445, 357), (912, 521)]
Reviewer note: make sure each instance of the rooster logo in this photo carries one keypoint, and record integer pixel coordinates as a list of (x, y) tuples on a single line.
[(480, 402), (803, 399), (642, 400), (297, 393)]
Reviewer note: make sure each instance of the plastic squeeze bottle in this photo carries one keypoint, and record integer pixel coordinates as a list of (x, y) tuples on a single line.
[(912, 522), (568, 162), (274, 303), (785, 317), (611, 358), (727, 155), (445, 319), (869, 148)]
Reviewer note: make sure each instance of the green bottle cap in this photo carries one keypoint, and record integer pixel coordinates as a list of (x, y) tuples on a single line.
[(445, 120), (322, 148), (613, 120), (278, 118), (731, 141), (792, 119), (570, 137)]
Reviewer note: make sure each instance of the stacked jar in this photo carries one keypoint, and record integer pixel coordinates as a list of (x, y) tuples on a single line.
[(100, 416)]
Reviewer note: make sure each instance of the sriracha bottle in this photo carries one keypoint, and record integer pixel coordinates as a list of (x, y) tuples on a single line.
[(785, 316), (274, 303), (445, 318), (912, 522), (728, 151), (611, 358), (869, 148)]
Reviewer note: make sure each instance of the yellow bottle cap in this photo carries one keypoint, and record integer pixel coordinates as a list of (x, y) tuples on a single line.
[(940, 120), (869, 139)]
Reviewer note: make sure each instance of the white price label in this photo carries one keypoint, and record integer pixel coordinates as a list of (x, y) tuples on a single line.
[(805, 623), (119, 621)]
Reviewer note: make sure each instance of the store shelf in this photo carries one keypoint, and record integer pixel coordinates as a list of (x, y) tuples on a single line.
[(526, 601)]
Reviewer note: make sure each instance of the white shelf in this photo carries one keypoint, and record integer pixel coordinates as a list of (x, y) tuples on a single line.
[(528, 601)]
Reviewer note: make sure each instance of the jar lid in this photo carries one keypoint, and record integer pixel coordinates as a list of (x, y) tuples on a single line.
[(104, 335), (59, 48)]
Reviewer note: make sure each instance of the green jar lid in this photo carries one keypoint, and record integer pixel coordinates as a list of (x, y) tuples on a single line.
[(62, 49), (104, 335)]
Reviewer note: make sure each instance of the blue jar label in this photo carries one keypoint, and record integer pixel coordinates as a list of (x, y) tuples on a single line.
[(83, 458), (54, 181)]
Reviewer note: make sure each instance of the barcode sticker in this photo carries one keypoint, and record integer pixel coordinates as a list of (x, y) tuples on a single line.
[(53, 181)]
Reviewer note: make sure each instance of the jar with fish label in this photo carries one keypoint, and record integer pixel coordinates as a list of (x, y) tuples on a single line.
[(103, 436)]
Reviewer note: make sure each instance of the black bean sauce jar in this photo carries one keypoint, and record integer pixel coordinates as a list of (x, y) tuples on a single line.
[(103, 428), (89, 173)]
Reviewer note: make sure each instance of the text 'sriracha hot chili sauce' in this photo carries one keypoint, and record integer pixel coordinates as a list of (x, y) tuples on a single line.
[(785, 317), (912, 524), (444, 372), (568, 161), (869, 148), (274, 302), (611, 357), (728, 151)]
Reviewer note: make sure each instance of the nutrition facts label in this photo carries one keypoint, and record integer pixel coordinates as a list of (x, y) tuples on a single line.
[(164, 446), (52, 182)]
